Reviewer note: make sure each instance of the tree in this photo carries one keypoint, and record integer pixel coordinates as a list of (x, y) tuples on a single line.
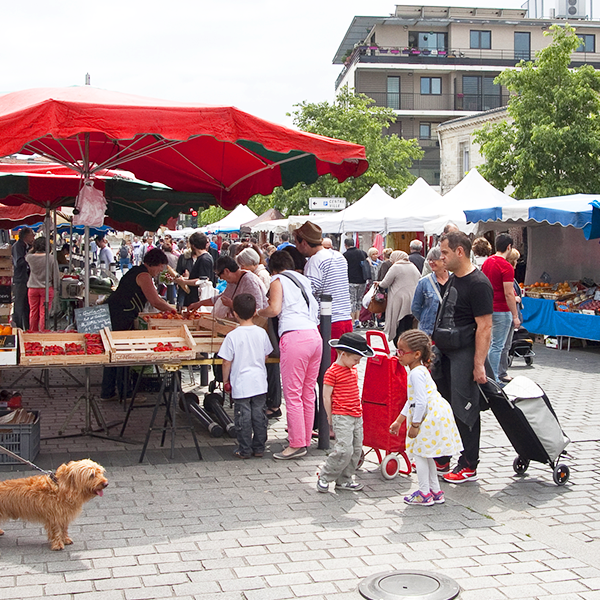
[(354, 118), (552, 145)]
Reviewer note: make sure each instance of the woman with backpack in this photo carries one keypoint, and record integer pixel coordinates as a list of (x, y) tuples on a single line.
[(124, 257)]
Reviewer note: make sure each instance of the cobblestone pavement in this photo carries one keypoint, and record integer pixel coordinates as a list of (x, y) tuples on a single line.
[(258, 530)]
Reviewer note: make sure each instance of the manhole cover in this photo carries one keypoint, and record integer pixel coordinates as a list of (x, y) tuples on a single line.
[(398, 585)]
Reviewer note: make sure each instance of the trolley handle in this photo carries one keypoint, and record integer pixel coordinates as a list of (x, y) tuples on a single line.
[(380, 337)]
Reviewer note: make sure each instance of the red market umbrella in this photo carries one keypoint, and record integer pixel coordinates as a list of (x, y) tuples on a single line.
[(216, 150), (25, 214)]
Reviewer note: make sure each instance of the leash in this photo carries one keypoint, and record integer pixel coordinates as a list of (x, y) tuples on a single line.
[(26, 462)]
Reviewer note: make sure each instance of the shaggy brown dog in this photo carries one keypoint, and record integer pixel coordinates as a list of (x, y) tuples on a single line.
[(54, 503)]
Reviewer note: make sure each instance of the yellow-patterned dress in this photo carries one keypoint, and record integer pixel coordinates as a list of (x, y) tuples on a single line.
[(438, 434)]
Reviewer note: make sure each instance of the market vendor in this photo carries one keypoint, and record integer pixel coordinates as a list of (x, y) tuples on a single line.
[(135, 289)]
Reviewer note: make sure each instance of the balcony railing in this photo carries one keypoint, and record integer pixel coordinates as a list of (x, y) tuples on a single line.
[(438, 102), (390, 54)]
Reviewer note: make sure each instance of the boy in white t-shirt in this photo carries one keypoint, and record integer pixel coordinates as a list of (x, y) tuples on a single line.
[(244, 352)]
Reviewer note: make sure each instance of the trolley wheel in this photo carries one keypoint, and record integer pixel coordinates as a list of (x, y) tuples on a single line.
[(561, 474), (390, 466), (361, 460), (212, 386), (520, 465), (510, 360), (528, 361)]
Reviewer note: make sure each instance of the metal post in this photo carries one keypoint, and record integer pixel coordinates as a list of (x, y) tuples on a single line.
[(325, 364), (86, 274), (47, 291)]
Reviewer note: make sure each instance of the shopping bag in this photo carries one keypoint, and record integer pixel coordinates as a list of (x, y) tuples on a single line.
[(366, 301)]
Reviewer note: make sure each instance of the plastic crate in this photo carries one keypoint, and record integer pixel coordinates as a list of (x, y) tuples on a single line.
[(23, 440)]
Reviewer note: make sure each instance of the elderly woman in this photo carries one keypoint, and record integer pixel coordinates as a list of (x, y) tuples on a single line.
[(301, 347), (430, 291), (249, 260), (374, 263), (400, 281)]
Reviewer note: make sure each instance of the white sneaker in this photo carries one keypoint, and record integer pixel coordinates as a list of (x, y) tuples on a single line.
[(353, 486), (322, 486)]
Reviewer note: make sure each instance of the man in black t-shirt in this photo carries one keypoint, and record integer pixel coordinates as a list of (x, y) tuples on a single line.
[(468, 307), (355, 258)]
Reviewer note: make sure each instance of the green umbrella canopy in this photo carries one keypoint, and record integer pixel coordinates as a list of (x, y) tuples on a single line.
[(132, 204)]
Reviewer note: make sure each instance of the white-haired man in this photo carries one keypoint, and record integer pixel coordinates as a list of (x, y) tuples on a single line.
[(416, 254)]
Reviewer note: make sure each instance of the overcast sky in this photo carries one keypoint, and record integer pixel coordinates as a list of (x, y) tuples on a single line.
[(262, 56)]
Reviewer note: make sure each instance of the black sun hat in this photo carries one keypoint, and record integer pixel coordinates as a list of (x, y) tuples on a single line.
[(354, 343)]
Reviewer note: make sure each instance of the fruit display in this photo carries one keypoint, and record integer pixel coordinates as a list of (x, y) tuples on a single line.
[(590, 305), (6, 330), (6, 280), (164, 315), (169, 347), (93, 343)]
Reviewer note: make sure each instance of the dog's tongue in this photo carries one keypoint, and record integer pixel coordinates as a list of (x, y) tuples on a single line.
[(100, 492)]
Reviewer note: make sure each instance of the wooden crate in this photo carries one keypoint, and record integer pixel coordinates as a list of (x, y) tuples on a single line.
[(192, 324), (137, 345), (210, 334), (60, 338), (215, 325)]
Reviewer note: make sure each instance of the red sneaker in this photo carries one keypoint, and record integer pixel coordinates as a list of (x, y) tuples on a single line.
[(460, 475)]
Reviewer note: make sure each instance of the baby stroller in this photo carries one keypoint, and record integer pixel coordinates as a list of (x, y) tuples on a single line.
[(529, 421), (521, 347)]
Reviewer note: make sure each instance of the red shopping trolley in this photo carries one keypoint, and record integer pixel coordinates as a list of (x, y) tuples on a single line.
[(383, 397)]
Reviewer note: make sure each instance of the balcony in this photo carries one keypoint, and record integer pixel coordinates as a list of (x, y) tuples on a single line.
[(455, 56), (438, 102)]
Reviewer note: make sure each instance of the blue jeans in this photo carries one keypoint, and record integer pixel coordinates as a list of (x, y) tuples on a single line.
[(251, 424), (501, 324)]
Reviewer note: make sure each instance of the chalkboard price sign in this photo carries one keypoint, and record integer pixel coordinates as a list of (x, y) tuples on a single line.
[(92, 319)]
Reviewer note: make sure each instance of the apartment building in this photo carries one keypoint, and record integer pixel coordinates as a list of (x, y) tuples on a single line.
[(432, 64)]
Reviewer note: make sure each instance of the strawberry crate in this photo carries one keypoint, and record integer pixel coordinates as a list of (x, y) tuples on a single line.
[(139, 345), (60, 339)]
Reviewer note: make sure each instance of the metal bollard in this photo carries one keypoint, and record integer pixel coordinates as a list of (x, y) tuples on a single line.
[(325, 364)]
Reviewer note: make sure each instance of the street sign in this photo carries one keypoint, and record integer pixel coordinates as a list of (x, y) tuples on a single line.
[(327, 203)]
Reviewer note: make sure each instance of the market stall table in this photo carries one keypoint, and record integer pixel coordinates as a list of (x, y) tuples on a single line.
[(541, 317)]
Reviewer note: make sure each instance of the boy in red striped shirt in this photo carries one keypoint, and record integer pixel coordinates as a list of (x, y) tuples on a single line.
[(341, 399)]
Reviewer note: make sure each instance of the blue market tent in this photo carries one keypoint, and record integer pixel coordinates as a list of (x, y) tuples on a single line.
[(574, 210)]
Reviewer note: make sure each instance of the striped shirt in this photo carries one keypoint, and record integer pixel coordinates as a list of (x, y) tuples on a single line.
[(328, 274), (345, 398)]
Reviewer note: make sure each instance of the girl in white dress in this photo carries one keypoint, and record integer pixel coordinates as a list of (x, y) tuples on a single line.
[(432, 431)]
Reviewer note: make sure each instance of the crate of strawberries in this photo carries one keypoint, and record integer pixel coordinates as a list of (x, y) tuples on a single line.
[(63, 348), (151, 346)]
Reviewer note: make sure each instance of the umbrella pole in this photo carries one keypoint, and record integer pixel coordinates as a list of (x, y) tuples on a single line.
[(47, 294), (86, 174), (86, 274), (55, 269)]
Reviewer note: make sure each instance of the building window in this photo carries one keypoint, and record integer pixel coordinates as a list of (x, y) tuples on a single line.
[(464, 160), (428, 41), (588, 43), (481, 39), (522, 45), (393, 92), (481, 93), (431, 85), (425, 131)]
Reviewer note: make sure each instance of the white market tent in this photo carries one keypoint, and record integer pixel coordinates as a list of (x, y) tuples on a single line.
[(366, 214), (233, 221), (412, 209), (274, 226), (472, 192)]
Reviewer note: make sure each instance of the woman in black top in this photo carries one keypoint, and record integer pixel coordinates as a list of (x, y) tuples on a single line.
[(135, 289)]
